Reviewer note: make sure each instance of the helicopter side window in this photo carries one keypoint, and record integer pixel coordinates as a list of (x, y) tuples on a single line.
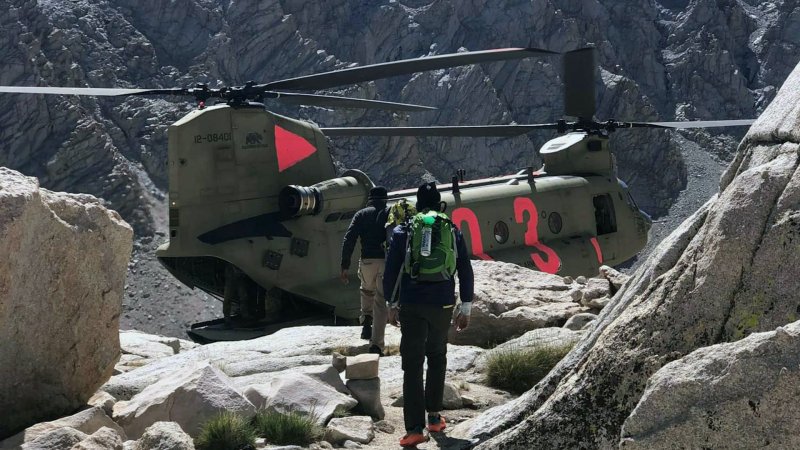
[(604, 214)]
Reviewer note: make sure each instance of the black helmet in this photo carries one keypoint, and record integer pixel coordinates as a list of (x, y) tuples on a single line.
[(428, 197)]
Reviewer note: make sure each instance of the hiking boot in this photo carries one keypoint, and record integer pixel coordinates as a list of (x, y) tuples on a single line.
[(375, 349), (366, 329), (413, 438), (436, 424)]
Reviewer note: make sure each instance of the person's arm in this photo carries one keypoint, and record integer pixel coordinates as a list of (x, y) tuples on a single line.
[(466, 283), (466, 278), (349, 242)]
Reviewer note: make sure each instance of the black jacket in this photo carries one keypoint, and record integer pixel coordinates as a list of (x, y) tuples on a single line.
[(368, 224), (430, 293)]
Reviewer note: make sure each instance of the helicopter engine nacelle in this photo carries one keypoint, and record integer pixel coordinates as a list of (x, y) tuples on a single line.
[(346, 193)]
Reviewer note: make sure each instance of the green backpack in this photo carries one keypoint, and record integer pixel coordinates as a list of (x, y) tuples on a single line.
[(440, 264)]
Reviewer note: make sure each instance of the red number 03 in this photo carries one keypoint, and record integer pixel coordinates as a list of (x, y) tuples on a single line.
[(550, 264)]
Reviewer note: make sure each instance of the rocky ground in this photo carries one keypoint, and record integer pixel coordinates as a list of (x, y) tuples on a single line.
[(155, 301), (294, 369)]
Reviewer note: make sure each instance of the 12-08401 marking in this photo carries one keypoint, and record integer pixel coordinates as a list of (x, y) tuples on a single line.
[(211, 137)]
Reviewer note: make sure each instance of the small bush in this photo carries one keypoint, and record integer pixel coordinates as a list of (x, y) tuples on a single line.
[(287, 428), (341, 411), (226, 431), (517, 370)]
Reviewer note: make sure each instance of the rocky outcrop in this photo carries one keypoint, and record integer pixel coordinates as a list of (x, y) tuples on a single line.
[(102, 439), (736, 395), (727, 272), (249, 362), (61, 279), (355, 428), (511, 300), (164, 436), (189, 398), (87, 422), (300, 393)]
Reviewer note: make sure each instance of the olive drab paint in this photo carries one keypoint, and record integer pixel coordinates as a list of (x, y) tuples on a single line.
[(259, 191)]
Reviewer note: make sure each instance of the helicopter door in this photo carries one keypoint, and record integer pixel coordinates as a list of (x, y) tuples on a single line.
[(604, 215)]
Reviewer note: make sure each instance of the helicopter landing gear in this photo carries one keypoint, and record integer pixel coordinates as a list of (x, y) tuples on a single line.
[(245, 303)]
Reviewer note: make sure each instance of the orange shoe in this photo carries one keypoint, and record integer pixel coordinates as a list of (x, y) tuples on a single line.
[(437, 427), (413, 439)]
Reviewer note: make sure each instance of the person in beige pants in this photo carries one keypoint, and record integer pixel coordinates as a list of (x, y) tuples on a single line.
[(368, 226), (373, 303)]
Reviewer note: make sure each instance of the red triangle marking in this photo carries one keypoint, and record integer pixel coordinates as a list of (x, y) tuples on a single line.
[(291, 148)]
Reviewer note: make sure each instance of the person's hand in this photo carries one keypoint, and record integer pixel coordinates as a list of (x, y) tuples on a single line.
[(343, 277), (462, 322), (392, 319)]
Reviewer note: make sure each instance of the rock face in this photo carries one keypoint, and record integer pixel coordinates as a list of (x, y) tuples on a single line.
[(249, 362), (361, 367), (188, 398), (730, 270), (61, 280), (300, 393), (736, 395), (164, 436), (510, 300), (87, 421), (355, 428), (368, 395), (102, 439), (59, 439)]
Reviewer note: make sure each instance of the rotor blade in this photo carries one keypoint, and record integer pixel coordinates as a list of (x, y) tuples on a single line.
[(452, 131), (107, 92), (389, 69), (579, 96), (344, 102), (693, 124)]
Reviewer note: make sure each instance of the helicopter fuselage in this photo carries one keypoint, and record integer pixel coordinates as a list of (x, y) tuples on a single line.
[(256, 194)]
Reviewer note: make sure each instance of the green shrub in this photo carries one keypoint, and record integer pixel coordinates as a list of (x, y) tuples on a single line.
[(226, 431), (519, 369), (287, 428)]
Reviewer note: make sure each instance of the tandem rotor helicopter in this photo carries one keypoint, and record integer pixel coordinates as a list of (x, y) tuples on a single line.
[(257, 211)]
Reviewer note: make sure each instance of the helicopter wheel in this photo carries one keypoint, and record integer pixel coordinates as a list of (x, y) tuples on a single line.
[(245, 303)]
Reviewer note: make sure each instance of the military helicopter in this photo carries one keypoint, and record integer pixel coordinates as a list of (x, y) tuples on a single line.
[(257, 211)]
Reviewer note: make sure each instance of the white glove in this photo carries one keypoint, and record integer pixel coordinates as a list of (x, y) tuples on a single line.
[(465, 309)]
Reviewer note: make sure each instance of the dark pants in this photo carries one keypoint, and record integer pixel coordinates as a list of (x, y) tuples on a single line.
[(424, 333)]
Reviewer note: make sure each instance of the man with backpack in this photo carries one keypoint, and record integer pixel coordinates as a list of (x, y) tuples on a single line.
[(424, 256), (368, 225)]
